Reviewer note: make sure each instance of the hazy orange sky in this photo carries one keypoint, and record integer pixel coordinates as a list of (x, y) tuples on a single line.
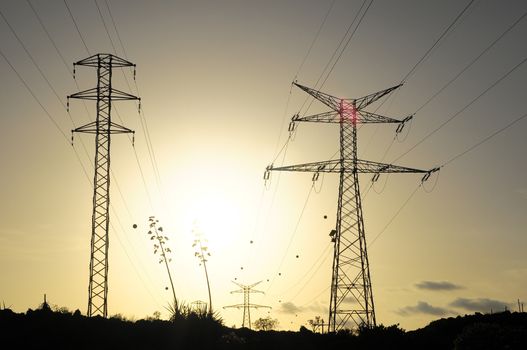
[(215, 82)]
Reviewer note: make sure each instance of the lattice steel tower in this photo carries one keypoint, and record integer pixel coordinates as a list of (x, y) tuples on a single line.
[(102, 127), (351, 300), (246, 290)]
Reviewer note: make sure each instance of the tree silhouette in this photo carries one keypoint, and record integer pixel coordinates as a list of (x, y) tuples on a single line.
[(317, 323), (266, 323)]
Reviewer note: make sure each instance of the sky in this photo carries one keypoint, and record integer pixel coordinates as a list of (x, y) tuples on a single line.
[(214, 79)]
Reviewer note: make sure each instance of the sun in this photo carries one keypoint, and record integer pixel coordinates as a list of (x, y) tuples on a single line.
[(216, 219)]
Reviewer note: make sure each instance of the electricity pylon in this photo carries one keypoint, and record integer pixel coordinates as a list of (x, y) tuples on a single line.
[(199, 306), (102, 127), (351, 296), (246, 290)]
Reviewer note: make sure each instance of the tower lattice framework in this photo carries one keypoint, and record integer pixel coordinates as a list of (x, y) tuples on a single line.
[(351, 299), (103, 127), (247, 306)]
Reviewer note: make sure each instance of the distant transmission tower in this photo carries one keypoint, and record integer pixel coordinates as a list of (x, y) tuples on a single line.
[(246, 290), (102, 127), (199, 306), (351, 297)]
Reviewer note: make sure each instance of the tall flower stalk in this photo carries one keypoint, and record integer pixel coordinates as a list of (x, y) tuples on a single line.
[(202, 253), (156, 234)]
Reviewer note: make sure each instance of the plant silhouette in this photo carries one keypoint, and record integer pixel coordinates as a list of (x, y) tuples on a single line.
[(202, 252), (156, 234)]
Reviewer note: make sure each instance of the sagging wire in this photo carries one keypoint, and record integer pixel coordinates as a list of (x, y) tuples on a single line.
[(316, 176), (427, 177), (292, 128), (291, 238), (315, 180), (421, 184), (267, 177), (400, 128), (374, 180)]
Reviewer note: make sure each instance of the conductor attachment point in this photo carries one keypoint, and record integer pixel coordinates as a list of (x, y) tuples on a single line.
[(430, 172)]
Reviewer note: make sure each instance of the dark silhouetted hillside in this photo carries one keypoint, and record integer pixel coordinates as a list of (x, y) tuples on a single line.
[(44, 328)]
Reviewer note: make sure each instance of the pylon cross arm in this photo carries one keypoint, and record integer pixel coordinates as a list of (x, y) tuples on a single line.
[(256, 306), (335, 102), (238, 291), (244, 286), (347, 166), (121, 95), (330, 101), (91, 128), (92, 94), (98, 59), (364, 101), (362, 117)]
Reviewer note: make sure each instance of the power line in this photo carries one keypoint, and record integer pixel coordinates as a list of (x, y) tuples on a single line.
[(316, 296), (452, 159), (396, 214), (47, 80), (142, 118), (46, 112), (49, 36), (320, 264), (105, 27), (115, 28), (77, 27), (455, 115), (334, 53), (497, 132), (37, 66), (67, 68), (296, 74), (88, 51), (68, 141), (132, 263), (462, 71), (286, 144), (428, 52), (345, 46), (129, 87), (471, 63), (150, 147), (35, 97), (437, 41), (293, 234), (340, 43), (59, 53), (315, 38), (143, 179)]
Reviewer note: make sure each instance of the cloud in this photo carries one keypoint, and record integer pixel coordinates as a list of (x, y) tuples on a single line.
[(290, 308), (441, 285), (481, 304), (317, 307), (423, 307)]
